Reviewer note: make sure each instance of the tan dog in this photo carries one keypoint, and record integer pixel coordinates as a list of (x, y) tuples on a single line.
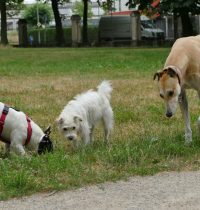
[(181, 71)]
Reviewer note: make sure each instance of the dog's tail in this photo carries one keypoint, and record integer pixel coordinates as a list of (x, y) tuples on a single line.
[(105, 89)]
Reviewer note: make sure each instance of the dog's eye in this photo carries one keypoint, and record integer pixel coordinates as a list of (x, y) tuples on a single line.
[(161, 95), (73, 128), (170, 93), (65, 129)]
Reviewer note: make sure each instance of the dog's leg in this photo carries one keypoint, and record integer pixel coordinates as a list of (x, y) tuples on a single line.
[(185, 112), (108, 122), (16, 145), (86, 137), (17, 149), (85, 133)]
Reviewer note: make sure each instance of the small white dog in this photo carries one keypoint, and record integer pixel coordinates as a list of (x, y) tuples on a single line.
[(81, 114), (18, 130)]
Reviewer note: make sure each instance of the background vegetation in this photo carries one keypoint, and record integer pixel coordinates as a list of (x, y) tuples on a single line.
[(47, 36), (41, 81), (179, 8), (79, 7), (44, 15)]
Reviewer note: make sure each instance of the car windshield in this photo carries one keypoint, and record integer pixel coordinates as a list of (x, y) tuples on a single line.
[(148, 24)]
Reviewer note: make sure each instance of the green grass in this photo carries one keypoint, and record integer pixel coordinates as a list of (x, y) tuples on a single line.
[(144, 142), (109, 62)]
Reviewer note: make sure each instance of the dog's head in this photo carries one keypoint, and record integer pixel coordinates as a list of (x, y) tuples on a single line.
[(70, 126), (169, 82), (46, 143)]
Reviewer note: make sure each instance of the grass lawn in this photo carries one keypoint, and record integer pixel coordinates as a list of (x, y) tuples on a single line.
[(41, 81)]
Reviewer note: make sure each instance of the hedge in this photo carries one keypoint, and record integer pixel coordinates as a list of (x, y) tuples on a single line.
[(47, 36)]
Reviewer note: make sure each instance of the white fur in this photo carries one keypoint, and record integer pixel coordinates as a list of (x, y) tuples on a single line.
[(15, 131), (81, 114)]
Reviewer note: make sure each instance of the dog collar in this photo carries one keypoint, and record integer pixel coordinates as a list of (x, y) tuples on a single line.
[(29, 130), (2, 121)]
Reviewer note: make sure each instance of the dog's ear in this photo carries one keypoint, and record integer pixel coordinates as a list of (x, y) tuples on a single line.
[(173, 72), (59, 121), (158, 75), (77, 119), (48, 130)]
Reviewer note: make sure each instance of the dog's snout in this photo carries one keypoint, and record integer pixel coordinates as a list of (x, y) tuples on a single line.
[(70, 138), (169, 114)]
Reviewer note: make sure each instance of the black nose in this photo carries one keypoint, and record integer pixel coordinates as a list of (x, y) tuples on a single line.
[(169, 114), (70, 138)]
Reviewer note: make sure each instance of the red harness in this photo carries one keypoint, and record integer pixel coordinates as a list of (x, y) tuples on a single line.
[(2, 121)]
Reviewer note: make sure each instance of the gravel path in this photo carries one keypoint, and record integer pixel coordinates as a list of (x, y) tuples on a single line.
[(163, 191)]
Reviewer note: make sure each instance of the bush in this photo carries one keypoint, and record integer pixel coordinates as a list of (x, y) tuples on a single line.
[(47, 36), (45, 14)]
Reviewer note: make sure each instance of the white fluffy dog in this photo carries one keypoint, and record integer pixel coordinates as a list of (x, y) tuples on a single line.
[(81, 114)]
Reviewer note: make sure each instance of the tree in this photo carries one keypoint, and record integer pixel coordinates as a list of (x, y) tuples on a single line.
[(4, 38), (44, 13), (59, 30), (4, 4), (85, 25), (180, 8), (79, 7), (106, 5)]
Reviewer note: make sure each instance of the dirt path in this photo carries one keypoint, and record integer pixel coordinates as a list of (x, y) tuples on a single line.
[(163, 191)]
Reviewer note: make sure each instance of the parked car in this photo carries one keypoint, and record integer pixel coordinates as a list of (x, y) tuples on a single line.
[(149, 29), (119, 28)]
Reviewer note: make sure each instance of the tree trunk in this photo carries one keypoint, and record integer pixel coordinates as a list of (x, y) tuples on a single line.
[(4, 38), (187, 29), (85, 32), (175, 25), (59, 30)]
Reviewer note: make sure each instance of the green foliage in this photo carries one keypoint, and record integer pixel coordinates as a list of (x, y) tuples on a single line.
[(180, 8), (5, 5), (175, 6), (78, 9), (166, 6), (48, 36), (44, 11), (59, 1), (13, 7), (13, 2), (106, 5)]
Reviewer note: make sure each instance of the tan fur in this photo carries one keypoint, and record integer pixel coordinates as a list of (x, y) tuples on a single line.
[(185, 55), (166, 83), (181, 71)]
